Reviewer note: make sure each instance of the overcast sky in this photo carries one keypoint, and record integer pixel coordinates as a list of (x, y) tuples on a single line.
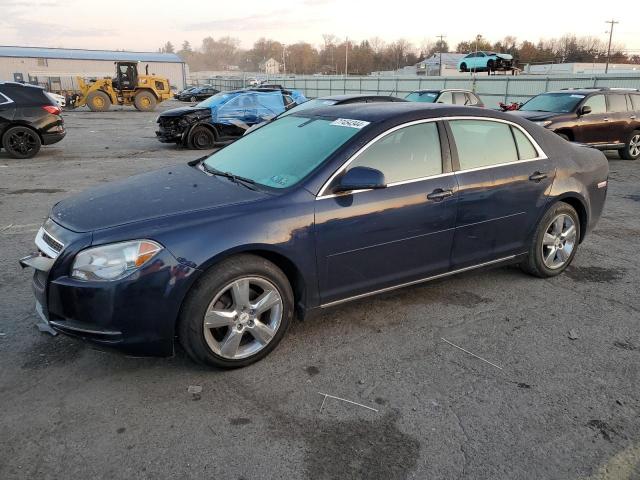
[(145, 25)]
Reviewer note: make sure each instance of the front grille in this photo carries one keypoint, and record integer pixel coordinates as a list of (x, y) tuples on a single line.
[(52, 242)]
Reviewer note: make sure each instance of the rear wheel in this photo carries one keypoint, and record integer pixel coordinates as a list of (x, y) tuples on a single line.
[(463, 67), (631, 150), (201, 138), (145, 101), (555, 242), (236, 313), (21, 142), (98, 102)]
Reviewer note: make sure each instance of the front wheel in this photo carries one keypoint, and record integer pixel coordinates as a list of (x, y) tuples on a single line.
[(237, 313), (145, 101), (201, 138), (631, 150), (555, 242), (463, 67)]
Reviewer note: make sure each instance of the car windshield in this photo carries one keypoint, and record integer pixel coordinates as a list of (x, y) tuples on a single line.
[(425, 97), (318, 102), (283, 152), (553, 102), (214, 100)]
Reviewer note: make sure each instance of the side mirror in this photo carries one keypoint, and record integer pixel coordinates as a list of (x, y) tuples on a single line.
[(360, 178), (585, 110)]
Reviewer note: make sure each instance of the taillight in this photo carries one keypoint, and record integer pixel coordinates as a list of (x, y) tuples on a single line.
[(53, 110)]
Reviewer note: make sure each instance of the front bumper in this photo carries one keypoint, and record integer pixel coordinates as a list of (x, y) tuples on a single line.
[(136, 314), (170, 133)]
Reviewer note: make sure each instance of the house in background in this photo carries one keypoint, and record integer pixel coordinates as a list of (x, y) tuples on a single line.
[(270, 67)]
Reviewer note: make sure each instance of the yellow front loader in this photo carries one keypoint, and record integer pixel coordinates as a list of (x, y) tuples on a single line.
[(128, 88)]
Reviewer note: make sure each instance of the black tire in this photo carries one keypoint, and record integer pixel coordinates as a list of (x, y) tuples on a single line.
[(631, 150), (534, 263), (201, 138), (463, 67), (191, 329), (21, 142), (145, 101), (98, 102)]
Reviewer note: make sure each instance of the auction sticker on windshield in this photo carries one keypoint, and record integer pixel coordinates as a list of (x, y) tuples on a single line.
[(347, 122)]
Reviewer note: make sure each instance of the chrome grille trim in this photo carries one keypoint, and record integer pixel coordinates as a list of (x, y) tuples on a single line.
[(48, 244)]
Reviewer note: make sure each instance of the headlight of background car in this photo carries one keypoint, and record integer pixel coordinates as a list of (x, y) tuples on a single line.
[(544, 123), (115, 261)]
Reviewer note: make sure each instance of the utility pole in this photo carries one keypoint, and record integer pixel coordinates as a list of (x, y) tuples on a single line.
[(346, 57), (612, 22), (284, 61), (478, 37), (441, 37)]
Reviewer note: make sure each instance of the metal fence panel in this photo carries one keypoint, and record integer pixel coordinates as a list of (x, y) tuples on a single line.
[(492, 89)]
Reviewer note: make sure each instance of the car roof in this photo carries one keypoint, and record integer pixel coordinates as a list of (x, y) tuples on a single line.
[(360, 96), (588, 91), (439, 90), (400, 112), (18, 84)]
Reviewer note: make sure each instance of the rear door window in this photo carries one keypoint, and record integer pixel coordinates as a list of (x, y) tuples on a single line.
[(526, 150), (445, 97), (635, 101), (472, 99), (407, 154), (459, 98), (597, 104), (616, 103), (483, 143)]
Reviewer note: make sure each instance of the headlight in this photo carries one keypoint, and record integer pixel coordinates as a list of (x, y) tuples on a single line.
[(543, 123), (114, 261)]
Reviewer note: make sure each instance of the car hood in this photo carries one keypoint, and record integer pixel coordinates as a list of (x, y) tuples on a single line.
[(533, 115), (181, 111), (169, 191), (504, 56)]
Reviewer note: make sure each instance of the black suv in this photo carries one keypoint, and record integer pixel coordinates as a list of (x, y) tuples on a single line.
[(604, 118), (28, 119)]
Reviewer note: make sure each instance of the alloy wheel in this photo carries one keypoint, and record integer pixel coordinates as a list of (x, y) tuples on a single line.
[(558, 241), (243, 318), (634, 146), (22, 142)]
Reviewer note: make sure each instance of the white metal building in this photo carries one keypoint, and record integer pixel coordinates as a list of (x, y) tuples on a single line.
[(57, 68), (589, 68)]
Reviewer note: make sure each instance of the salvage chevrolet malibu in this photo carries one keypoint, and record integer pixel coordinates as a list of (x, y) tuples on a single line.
[(323, 206)]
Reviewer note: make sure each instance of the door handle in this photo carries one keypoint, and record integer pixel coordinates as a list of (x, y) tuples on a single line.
[(439, 194), (606, 119), (632, 117), (538, 176)]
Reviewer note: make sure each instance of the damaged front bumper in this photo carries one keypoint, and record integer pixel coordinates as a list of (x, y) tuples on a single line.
[(136, 314)]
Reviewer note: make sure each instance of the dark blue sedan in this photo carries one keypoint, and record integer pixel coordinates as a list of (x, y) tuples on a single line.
[(315, 209)]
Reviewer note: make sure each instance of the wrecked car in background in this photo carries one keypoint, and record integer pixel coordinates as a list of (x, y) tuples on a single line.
[(485, 62), (224, 117)]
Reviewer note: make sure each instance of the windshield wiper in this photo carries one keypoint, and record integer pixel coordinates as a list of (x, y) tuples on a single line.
[(247, 182)]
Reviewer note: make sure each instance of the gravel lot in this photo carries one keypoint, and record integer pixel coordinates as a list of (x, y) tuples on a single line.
[(558, 408)]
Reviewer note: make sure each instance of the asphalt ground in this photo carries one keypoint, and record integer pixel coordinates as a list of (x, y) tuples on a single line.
[(547, 406)]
